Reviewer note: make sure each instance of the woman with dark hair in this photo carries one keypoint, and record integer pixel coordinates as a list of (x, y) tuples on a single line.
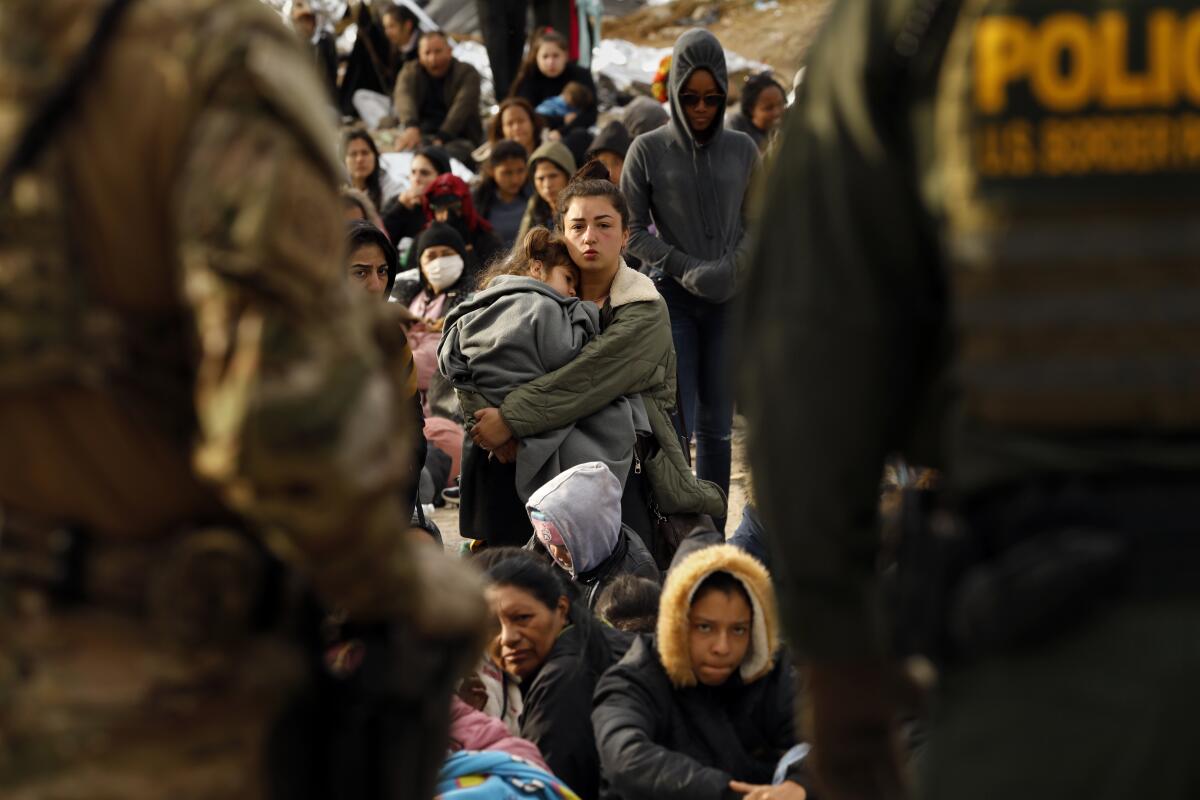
[(402, 29), (558, 651), (632, 355), (546, 71), (690, 180), (404, 215), (371, 266), (373, 262), (434, 289), (762, 107), (362, 164), (516, 122)]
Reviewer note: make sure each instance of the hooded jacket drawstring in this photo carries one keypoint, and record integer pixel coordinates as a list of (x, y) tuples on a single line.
[(704, 220)]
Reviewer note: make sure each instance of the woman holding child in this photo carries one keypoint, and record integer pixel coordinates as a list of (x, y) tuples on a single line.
[(632, 355)]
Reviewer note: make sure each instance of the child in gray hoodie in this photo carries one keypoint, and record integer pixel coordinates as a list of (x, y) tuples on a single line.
[(576, 517)]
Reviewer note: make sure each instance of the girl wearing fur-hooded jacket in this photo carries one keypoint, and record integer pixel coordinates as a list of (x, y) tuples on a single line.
[(704, 710), (632, 355)]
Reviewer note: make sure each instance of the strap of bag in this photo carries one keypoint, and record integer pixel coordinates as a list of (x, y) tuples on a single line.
[(52, 112)]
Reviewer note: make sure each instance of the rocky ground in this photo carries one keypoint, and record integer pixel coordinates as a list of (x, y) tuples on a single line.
[(775, 32)]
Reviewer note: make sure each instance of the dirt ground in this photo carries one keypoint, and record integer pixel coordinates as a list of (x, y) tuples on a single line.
[(739, 487), (774, 32)]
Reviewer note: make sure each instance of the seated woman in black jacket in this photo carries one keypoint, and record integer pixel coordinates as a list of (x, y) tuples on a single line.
[(557, 650), (704, 710), (546, 71)]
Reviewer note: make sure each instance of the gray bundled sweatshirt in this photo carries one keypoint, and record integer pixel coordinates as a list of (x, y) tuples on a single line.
[(579, 511), (519, 329), (692, 192)]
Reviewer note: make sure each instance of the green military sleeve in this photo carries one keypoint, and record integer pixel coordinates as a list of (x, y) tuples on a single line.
[(841, 313), (297, 388), (627, 358)]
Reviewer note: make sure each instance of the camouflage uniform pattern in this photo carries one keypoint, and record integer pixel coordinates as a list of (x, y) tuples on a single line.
[(197, 357)]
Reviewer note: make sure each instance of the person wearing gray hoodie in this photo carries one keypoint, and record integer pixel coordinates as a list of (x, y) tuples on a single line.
[(690, 179), (576, 517)]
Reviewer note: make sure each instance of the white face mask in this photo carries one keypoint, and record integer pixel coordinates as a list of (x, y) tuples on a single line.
[(443, 272)]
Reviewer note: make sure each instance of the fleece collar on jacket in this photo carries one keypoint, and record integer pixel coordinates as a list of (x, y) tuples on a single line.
[(631, 286), (678, 591)]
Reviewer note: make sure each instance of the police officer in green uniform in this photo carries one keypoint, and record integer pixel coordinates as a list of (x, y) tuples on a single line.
[(978, 250), (196, 419)]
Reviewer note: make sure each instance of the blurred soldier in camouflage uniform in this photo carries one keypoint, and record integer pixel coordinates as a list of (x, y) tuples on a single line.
[(194, 413)]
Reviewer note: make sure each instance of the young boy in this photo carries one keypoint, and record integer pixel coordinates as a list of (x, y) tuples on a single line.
[(504, 190)]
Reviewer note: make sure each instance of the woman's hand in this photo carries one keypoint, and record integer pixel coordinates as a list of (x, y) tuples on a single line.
[(410, 198), (490, 430), (507, 452), (788, 790), (410, 139)]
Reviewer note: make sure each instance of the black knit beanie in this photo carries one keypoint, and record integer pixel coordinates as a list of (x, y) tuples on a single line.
[(439, 234)]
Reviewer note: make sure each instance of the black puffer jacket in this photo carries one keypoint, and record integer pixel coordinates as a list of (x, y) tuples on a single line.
[(662, 734), (630, 558), (558, 700), (687, 744)]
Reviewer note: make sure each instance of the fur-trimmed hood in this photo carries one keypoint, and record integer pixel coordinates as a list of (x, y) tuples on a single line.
[(682, 582)]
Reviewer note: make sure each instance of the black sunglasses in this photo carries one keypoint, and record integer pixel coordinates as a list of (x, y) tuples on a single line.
[(691, 100)]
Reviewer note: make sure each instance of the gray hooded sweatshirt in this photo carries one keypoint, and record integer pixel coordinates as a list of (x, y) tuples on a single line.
[(580, 510), (519, 329), (693, 192)]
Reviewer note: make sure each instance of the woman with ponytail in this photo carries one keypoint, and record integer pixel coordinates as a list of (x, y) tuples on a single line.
[(632, 355)]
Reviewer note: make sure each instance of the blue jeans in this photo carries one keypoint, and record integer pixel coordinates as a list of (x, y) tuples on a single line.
[(701, 333), (751, 537)]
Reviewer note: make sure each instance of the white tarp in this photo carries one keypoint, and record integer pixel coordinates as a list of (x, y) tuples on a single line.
[(398, 166), (624, 63)]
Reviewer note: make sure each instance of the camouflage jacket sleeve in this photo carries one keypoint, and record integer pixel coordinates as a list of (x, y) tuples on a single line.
[(298, 389), (841, 313)]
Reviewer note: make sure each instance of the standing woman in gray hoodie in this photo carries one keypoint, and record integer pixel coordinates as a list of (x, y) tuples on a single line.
[(689, 179)]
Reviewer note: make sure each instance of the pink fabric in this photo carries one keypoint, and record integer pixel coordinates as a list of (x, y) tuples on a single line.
[(426, 307), (475, 730), (423, 342), (447, 436)]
